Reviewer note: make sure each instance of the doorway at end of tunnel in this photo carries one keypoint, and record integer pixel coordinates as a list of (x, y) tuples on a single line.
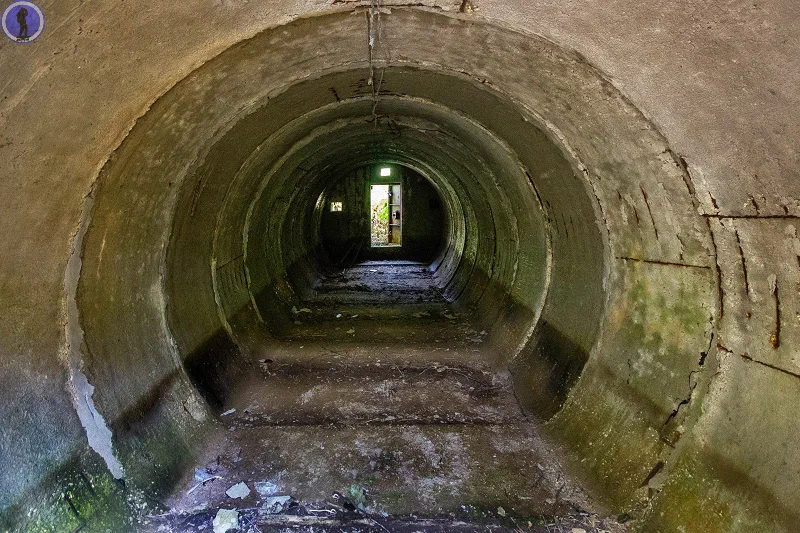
[(386, 222), (381, 211)]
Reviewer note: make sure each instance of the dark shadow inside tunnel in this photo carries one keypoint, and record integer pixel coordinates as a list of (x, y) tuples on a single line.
[(466, 226), (381, 211)]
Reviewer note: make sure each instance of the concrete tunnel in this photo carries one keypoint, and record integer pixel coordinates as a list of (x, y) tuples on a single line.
[(590, 324)]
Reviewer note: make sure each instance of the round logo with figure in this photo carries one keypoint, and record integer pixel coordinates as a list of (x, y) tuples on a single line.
[(23, 22)]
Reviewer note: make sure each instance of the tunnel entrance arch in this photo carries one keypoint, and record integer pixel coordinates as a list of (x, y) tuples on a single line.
[(561, 250)]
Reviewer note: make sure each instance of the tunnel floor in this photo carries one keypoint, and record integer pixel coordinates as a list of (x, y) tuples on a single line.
[(380, 411)]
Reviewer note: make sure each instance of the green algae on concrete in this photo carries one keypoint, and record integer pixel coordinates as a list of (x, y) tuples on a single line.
[(699, 495), (614, 419), (617, 446), (81, 495)]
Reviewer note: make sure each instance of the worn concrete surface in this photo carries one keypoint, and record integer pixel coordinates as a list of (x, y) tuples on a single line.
[(716, 79), (401, 413)]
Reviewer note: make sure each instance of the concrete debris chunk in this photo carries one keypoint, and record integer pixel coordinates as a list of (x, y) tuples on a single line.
[(357, 495), (240, 490), (226, 520), (228, 412), (501, 511), (266, 488), (202, 475), (276, 504)]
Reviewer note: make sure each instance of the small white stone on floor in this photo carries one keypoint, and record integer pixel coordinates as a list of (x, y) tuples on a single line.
[(229, 412), (226, 520), (240, 490), (202, 475), (501, 511), (266, 488)]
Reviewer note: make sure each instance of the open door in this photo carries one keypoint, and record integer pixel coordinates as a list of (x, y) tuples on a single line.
[(386, 215), (395, 215)]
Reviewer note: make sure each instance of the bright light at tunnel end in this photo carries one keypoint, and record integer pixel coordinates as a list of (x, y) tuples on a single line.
[(386, 171)]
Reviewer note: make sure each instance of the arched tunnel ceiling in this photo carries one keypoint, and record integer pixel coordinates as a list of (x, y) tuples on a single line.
[(714, 210)]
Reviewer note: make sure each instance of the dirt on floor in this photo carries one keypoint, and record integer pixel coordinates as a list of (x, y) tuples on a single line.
[(379, 411)]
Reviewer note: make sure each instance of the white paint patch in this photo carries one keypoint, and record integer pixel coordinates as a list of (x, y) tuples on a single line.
[(97, 432)]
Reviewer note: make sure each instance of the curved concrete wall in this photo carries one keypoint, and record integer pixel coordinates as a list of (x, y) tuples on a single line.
[(643, 299)]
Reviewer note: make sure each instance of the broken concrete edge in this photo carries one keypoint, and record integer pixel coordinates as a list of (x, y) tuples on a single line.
[(98, 434), (672, 458)]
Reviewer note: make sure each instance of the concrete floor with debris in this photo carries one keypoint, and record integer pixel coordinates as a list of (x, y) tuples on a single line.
[(380, 410)]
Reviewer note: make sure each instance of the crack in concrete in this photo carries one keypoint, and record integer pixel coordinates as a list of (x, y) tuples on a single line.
[(713, 201), (650, 211), (747, 357), (751, 217), (720, 293), (775, 338), (693, 383), (659, 474), (666, 263), (744, 263), (755, 205), (681, 163)]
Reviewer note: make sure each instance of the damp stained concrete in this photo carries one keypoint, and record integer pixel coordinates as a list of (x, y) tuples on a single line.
[(381, 410)]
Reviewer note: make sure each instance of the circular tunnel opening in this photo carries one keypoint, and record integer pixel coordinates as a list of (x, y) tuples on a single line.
[(254, 271), (264, 280)]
